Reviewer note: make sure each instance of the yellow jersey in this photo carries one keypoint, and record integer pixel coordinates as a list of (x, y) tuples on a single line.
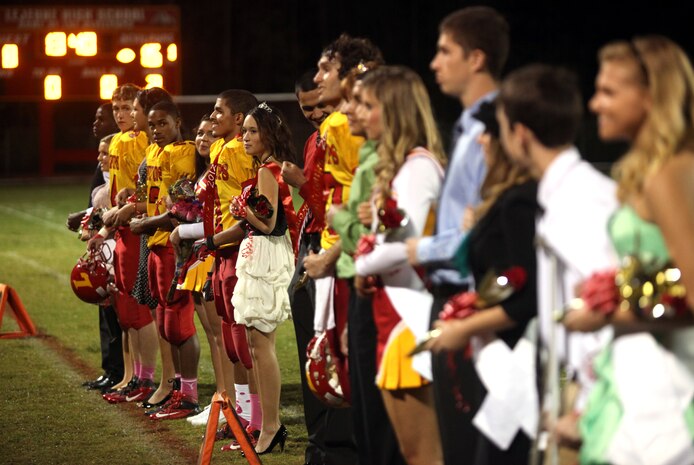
[(165, 166), (235, 168), (126, 151), (341, 161)]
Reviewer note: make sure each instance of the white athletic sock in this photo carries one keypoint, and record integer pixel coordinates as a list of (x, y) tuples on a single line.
[(243, 401)]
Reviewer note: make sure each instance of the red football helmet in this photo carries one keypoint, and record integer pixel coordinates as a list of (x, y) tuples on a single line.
[(90, 277), (322, 372)]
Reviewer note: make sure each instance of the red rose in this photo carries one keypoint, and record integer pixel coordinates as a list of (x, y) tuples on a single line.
[(459, 306), (261, 206), (516, 275), (678, 304), (390, 215), (600, 293), (365, 245)]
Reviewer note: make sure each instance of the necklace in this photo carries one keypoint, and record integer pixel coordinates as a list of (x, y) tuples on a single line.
[(269, 157)]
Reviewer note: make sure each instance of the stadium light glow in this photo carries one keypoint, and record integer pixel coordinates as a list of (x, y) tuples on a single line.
[(10, 56), (150, 55), (52, 87)]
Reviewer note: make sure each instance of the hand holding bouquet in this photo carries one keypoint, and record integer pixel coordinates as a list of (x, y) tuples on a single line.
[(492, 291), (185, 206)]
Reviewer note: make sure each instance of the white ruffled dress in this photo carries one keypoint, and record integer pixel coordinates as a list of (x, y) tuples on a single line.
[(264, 269)]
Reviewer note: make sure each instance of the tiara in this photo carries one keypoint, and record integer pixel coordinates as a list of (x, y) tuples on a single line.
[(265, 107)]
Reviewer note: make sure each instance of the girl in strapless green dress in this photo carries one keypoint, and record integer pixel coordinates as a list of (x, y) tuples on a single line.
[(623, 417), (640, 411)]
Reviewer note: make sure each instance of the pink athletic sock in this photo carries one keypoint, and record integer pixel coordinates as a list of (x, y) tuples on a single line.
[(137, 367), (256, 413), (147, 372), (189, 388)]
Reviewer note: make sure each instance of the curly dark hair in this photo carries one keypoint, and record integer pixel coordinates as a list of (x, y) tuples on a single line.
[(274, 132), (351, 51)]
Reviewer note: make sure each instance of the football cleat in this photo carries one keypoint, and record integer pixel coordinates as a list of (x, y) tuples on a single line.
[(253, 435), (141, 392), (120, 395), (179, 406)]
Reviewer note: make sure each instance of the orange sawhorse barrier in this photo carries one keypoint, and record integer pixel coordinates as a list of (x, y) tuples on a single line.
[(9, 300), (221, 402)]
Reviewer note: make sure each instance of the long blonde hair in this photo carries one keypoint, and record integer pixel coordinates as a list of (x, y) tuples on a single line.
[(407, 117), (667, 74)]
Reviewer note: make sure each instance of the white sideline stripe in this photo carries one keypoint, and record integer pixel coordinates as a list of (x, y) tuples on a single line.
[(62, 278), (36, 219)]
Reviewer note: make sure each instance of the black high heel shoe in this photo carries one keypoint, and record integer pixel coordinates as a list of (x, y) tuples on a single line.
[(279, 438)]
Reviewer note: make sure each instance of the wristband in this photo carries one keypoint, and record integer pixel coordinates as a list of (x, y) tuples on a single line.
[(209, 242)]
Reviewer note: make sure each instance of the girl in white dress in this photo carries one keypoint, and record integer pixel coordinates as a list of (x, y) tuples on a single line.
[(266, 262)]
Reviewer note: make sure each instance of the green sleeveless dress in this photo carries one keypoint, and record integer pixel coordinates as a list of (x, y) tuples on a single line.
[(634, 236)]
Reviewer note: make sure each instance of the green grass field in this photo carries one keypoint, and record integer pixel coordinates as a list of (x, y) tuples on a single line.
[(45, 416)]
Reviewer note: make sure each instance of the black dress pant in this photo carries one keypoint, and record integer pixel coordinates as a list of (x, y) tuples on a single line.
[(452, 396), (458, 395), (329, 429), (376, 441), (110, 335)]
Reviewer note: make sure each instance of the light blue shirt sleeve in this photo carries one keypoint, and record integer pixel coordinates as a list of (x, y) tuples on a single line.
[(466, 172)]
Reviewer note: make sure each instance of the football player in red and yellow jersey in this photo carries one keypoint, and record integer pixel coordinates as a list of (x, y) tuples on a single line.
[(168, 160), (341, 159), (126, 151), (144, 342), (230, 170)]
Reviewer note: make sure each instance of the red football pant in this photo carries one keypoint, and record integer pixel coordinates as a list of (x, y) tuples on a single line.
[(224, 281), (175, 318), (126, 257)]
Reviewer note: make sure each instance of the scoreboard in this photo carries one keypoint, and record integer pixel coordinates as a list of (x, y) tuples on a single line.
[(84, 52)]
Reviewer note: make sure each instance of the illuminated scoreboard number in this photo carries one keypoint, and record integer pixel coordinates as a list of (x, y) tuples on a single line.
[(84, 52)]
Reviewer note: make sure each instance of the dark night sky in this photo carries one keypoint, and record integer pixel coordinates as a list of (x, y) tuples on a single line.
[(264, 45)]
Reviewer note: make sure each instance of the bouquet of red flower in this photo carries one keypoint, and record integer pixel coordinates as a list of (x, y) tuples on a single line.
[(259, 204), (651, 295), (492, 291), (140, 194), (186, 207), (390, 216), (93, 221)]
